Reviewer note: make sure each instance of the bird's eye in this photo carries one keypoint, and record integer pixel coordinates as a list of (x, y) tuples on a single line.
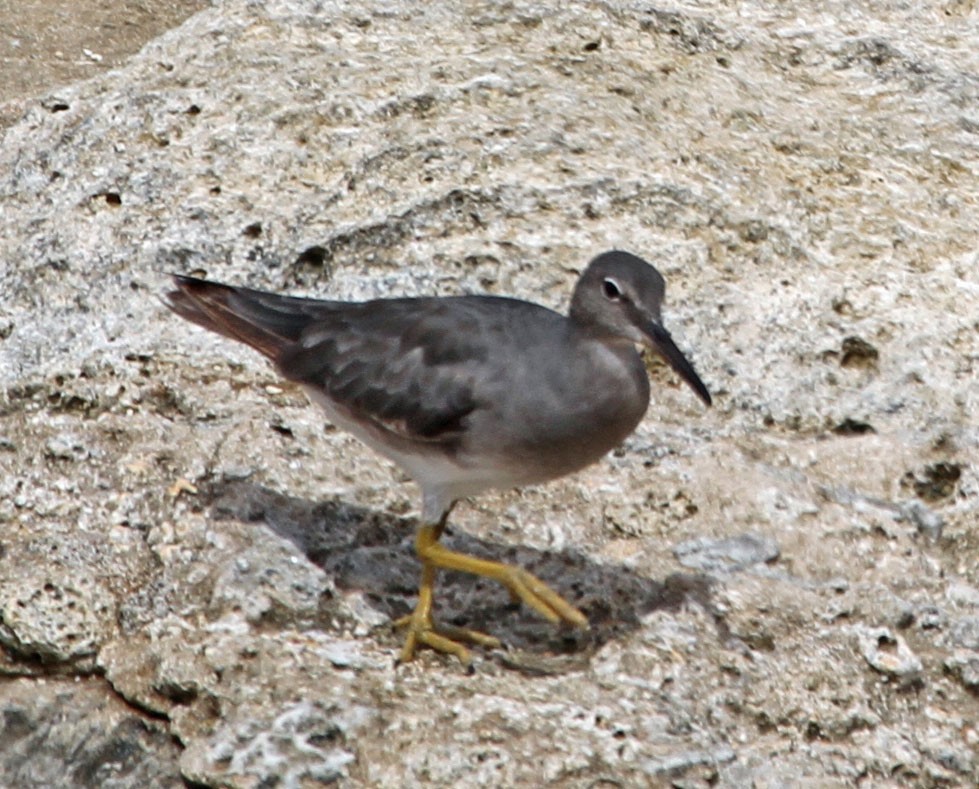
[(612, 290)]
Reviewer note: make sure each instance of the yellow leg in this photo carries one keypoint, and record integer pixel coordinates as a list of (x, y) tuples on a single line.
[(421, 628), (522, 586)]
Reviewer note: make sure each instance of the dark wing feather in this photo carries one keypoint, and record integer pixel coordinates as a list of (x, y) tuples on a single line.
[(405, 364), (265, 321)]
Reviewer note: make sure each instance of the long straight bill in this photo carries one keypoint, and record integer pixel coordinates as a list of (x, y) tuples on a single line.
[(663, 344)]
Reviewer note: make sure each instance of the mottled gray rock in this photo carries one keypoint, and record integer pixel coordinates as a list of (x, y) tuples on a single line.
[(74, 734), (55, 617), (875, 604), (927, 521), (65, 446), (804, 179), (930, 617), (303, 745), (269, 581), (888, 653), (727, 555), (963, 594), (681, 763), (964, 632), (964, 663)]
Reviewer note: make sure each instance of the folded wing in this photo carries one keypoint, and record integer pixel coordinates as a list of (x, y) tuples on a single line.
[(406, 365)]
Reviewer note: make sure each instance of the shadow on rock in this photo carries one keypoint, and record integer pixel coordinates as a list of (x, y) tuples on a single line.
[(372, 552)]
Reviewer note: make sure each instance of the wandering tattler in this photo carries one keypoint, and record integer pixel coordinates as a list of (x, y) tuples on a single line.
[(466, 393)]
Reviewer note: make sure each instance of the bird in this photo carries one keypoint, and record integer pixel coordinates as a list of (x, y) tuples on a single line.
[(466, 393)]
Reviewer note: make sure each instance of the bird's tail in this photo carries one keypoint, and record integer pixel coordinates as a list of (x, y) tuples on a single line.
[(265, 321)]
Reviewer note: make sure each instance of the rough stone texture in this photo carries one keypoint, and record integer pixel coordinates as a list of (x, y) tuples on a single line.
[(74, 733), (54, 618), (180, 533), (51, 42)]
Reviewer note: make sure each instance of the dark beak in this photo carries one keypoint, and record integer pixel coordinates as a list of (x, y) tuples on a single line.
[(663, 344)]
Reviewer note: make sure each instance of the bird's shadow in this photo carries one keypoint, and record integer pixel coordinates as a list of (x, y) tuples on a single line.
[(371, 552)]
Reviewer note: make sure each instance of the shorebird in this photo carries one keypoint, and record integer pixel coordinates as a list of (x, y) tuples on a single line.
[(466, 393)]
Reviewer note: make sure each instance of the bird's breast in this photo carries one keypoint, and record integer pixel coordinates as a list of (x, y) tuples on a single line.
[(565, 412), (614, 393)]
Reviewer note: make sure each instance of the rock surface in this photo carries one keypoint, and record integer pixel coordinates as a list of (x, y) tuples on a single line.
[(197, 578)]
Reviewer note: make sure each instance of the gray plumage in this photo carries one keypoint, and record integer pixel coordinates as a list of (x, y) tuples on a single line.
[(468, 392)]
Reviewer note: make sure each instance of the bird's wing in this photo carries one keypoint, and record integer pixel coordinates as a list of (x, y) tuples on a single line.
[(406, 365), (266, 321)]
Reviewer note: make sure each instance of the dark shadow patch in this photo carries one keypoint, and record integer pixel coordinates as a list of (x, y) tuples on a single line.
[(935, 482), (372, 552), (853, 427), (857, 352)]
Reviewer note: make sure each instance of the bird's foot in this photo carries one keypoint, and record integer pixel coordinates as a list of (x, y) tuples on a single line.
[(528, 588), (523, 586), (422, 631)]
